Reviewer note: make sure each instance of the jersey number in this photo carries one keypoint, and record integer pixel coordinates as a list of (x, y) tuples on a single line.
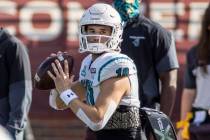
[(122, 72)]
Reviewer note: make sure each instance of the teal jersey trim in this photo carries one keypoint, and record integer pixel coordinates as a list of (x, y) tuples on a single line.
[(99, 75)]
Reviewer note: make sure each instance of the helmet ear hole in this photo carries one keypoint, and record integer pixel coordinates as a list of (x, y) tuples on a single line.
[(105, 15)]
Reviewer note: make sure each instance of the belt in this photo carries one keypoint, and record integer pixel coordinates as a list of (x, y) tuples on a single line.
[(124, 117)]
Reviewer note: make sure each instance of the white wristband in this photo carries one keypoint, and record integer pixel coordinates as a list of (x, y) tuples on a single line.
[(67, 96)]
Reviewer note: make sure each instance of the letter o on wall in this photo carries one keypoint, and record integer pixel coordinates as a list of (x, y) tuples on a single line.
[(47, 7)]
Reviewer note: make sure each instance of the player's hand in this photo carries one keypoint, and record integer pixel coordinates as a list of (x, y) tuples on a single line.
[(62, 78)]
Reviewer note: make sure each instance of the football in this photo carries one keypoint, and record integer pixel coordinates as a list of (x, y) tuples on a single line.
[(42, 80)]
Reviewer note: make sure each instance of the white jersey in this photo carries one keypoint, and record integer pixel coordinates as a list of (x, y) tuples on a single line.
[(106, 66)]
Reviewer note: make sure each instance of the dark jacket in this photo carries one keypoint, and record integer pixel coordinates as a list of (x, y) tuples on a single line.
[(15, 84), (153, 50)]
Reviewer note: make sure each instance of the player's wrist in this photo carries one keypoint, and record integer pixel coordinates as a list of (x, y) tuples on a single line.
[(68, 96)]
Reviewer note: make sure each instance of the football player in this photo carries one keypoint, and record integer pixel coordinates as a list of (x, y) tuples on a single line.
[(107, 79)]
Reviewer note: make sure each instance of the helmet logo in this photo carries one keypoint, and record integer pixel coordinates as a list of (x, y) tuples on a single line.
[(97, 11)]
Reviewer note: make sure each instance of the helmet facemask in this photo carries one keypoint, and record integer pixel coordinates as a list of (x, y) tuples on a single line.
[(97, 43)]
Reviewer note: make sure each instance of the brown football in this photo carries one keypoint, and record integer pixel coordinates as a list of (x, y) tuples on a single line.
[(42, 80)]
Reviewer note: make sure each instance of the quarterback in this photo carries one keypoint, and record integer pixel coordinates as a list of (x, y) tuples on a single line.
[(107, 82)]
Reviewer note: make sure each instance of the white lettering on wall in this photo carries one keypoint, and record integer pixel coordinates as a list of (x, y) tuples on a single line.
[(46, 7), (10, 8), (165, 14), (196, 13), (75, 12)]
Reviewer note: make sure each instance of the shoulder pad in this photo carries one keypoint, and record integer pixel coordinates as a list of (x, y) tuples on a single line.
[(115, 66)]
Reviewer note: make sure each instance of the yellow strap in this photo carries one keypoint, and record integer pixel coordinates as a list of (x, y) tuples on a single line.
[(184, 124)]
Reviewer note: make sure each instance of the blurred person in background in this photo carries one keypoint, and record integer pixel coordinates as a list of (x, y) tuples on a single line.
[(15, 85), (195, 103), (153, 50)]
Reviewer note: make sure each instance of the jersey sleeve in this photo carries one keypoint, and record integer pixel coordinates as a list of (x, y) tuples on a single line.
[(116, 67), (164, 50)]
